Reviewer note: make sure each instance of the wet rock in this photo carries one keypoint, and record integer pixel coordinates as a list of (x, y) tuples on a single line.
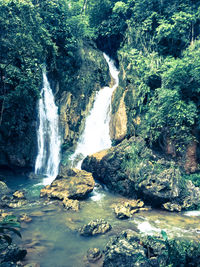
[(71, 204), (19, 194), (125, 250), (127, 209), (95, 227), (25, 218), (74, 184), (192, 200), (3, 189), (172, 206), (93, 255)]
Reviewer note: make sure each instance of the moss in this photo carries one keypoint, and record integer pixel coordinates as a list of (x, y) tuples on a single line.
[(195, 178)]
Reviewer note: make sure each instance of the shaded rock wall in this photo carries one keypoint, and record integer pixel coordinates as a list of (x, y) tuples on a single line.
[(134, 170), (118, 122)]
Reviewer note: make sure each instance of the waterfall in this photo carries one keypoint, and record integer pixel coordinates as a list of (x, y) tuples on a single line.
[(48, 158), (96, 135)]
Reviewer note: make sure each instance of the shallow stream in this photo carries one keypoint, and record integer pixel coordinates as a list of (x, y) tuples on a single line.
[(52, 239)]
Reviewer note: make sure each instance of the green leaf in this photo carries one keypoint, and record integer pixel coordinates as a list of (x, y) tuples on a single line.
[(164, 235)]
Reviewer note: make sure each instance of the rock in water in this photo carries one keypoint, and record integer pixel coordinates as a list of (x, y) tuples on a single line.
[(71, 204), (127, 209), (19, 194), (93, 254), (129, 250), (95, 227), (74, 184)]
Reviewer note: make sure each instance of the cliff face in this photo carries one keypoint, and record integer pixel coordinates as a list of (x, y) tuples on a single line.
[(118, 122), (76, 103)]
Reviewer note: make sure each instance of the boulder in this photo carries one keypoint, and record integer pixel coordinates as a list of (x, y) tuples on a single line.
[(71, 204), (127, 209), (73, 184), (128, 249), (172, 206), (106, 166), (163, 186), (189, 199), (192, 198), (93, 255), (134, 170), (95, 227)]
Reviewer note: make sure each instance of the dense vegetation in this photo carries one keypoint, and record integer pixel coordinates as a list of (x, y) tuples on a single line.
[(155, 42), (156, 46), (159, 61)]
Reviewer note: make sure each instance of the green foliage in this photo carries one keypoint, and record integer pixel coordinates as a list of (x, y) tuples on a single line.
[(164, 235), (120, 8), (171, 117), (182, 252), (195, 178), (98, 11), (175, 34)]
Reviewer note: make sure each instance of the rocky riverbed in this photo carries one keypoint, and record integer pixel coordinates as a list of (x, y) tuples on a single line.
[(53, 235)]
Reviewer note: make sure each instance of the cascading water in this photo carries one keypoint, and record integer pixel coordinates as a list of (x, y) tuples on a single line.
[(48, 158), (96, 134)]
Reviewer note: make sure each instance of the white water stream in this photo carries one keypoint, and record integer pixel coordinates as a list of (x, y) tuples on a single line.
[(96, 135), (48, 158)]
